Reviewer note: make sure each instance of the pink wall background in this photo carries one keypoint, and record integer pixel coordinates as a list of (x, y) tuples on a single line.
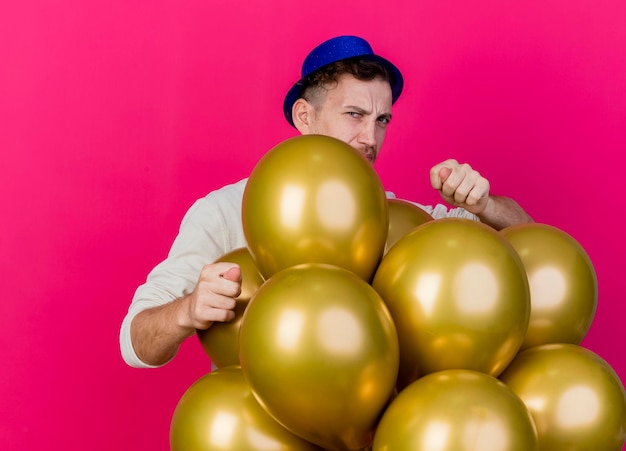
[(116, 115)]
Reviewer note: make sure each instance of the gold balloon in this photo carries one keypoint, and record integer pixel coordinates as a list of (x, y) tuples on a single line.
[(459, 297), (219, 412), (575, 397), (221, 341), (563, 284), (404, 216), (456, 410), (320, 351), (314, 199)]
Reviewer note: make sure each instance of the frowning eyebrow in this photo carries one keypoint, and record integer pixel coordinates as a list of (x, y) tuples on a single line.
[(363, 111)]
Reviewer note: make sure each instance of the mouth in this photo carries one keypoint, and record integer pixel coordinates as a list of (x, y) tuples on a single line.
[(369, 156)]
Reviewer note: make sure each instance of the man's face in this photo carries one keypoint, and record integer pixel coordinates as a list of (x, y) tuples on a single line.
[(356, 112)]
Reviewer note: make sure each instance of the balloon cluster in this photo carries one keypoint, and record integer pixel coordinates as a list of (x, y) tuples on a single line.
[(363, 323)]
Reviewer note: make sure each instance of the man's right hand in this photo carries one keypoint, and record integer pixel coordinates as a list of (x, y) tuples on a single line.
[(213, 299), (156, 333)]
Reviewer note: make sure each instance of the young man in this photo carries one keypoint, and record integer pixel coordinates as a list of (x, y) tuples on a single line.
[(346, 92)]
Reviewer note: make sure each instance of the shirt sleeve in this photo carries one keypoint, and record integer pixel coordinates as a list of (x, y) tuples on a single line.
[(440, 211), (209, 229)]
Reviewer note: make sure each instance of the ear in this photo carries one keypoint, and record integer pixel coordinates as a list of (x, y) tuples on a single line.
[(302, 114)]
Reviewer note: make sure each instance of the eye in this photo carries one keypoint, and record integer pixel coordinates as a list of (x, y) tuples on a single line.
[(383, 120), (355, 114)]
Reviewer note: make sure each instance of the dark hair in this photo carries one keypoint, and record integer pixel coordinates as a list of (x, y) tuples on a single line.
[(360, 68)]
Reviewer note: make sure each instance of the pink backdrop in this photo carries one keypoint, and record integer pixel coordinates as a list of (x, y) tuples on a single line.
[(116, 115)]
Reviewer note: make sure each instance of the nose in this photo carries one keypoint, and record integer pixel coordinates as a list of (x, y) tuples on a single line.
[(367, 134)]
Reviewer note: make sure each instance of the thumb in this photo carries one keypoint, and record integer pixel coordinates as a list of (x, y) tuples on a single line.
[(444, 173), (233, 273)]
